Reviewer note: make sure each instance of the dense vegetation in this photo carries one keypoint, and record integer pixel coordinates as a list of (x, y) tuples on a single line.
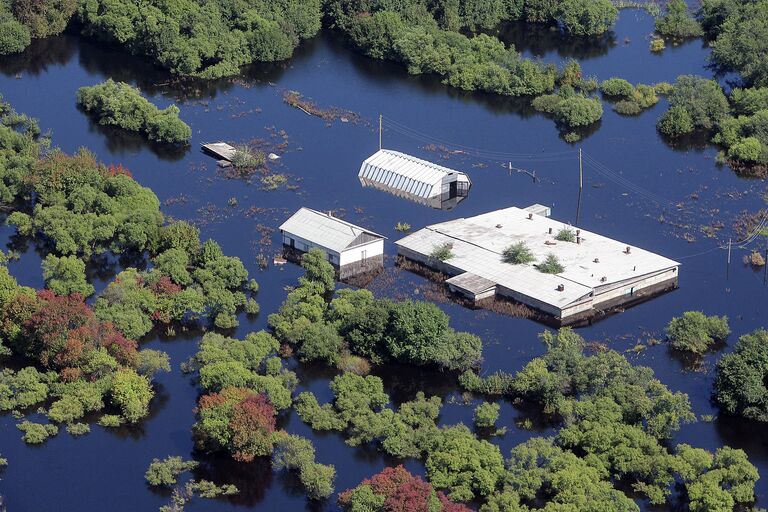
[(22, 20), (357, 324), (119, 104), (246, 387), (616, 422), (677, 22)]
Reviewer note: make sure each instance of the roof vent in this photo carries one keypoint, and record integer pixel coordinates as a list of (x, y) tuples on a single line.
[(560, 287), (627, 250), (578, 232), (634, 268), (596, 260), (578, 239), (530, 216), (498, 226), (550, 230), (603, 279)]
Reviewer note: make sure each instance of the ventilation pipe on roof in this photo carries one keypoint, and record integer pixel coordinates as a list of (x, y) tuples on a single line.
[(530, 216), (560, 287), (596, 260), (578, 239), (550, 230), (627, 250), (603, 279)]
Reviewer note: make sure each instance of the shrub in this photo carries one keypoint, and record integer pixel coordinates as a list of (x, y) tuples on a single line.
[(627, 108), (551, 265), (486, 415), (696, 332), (111, 420), (617, 87), (119, 104), (402, 227), (517, 254), (703, 102), (748, 150), (442, 252), (578, 111), (165, 472), (37, 433), (546, 103), (246, 158), (132, 393), (78, 429), (565, 235)]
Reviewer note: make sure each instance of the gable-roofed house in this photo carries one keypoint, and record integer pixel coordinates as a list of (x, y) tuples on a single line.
[(350, 248)]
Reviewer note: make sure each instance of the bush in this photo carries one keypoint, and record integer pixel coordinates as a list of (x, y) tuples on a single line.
[(696, 332), (246, 158), (78, 429), (676, 122), (165, 472), (551, 265), (578, 111), (741, 379), (627, 108), (37, 433), (518, 254), (442, 252), (317, 479), (546, 103), (486, 415), (119, 104), (111, 421), (617, 87), (131, 392), (748, 150), (657, 45), (565, 235)]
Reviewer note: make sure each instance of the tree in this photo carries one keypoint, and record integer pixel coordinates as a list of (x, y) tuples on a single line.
[(741, 378), (165, 472), (587, 17), (696, 332), (463, 465), (486, 415), (319, 270), (132, 393), (66, 275), (578, 111), (702, 100), (14, 36), (677, 22), (742, 41)]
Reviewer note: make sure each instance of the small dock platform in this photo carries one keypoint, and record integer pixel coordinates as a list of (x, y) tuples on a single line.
[(220, 150)]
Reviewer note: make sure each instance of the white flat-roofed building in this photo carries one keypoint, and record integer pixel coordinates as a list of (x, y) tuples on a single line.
[(414, 179), (600, 273), (350, 248)]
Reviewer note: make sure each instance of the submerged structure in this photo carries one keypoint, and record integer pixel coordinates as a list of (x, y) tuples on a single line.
[(414, 179), (351, 249), (598, 275)]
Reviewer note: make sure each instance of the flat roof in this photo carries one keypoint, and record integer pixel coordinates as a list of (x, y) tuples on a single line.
[(327, 231), (478, 243)]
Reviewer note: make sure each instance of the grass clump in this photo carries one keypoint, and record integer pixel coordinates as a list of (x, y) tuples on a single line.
[(273, 181), (551, 265), (402, 227), (78, 429), (246, 158), (111, 421), (518, 254), (696, 332), (442, 252)]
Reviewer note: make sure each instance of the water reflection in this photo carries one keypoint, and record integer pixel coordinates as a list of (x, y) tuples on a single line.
[(40, 56), (121, 142), (539, 39)]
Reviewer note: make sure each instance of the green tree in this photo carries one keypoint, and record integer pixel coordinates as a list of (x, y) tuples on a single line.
[(696, 332), (166, 472), (741, 377), (587, 17), (132, 393), (65, 275), (677, 22)]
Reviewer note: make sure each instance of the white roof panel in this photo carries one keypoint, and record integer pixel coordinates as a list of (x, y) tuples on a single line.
[(324, 229)]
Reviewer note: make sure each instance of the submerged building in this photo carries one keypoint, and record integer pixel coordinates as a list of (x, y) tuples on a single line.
[(414, 179), (351, 249), (600, 274)]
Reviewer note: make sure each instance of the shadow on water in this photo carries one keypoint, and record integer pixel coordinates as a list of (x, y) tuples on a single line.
[(541, 39), (40, 56)]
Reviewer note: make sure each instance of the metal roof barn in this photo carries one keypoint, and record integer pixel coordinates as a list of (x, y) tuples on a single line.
[(414, 179)]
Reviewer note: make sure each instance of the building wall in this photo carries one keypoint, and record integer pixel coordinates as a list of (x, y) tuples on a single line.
[(631, 288), (361, 252), (304, 245)]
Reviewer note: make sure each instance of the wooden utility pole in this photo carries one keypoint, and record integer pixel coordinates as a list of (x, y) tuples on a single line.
[(581, 173), (729, 251), (379, 132)]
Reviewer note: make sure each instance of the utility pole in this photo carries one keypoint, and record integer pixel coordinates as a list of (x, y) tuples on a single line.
[(729, 251), (581, 173), (379, 132)]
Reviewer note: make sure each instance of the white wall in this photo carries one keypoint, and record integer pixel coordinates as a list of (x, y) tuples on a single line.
[(355, 254), (305, 245)]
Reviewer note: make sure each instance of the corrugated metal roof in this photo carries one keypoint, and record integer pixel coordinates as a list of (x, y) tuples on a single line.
[(478, 243), (326, 230), (404, 174)]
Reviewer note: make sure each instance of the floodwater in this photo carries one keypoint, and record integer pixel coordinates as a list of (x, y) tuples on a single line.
[(641, 190)]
